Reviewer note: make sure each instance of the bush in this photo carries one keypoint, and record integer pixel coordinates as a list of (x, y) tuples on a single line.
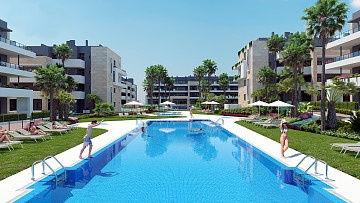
[(347, 135), (12, 117), (355, 123), (42, 114), (312, 126)]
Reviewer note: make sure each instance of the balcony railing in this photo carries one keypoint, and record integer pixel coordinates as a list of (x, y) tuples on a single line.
[(343, 57), (344, 34), (14, 43), (11, 65)]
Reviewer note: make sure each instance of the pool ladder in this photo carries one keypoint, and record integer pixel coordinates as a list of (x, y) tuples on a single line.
[(139, 120), (300, 178), (218, 120), (43, 161)]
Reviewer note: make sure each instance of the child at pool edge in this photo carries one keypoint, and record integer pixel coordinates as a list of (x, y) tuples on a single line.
[(87, 140)]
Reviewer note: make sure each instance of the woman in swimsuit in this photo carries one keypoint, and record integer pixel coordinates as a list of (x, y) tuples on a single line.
[(284, 141), (3, 135)]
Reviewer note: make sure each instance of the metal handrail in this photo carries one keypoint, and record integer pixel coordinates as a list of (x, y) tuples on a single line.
[(326, 168), (305, 172), (43, 165), (62, 166), (308, 156), (220, 119)]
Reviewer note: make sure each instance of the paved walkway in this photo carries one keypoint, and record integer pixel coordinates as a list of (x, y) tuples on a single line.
[(344, 185)]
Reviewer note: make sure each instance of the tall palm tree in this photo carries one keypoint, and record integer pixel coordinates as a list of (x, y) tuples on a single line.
[(69, 85), (63, 52), (199, 74), (149, 81), (169, 84), (224, 82), (296, 53), (161, 74), (322, 21), (48, 80), (275, 44), (210, 68)]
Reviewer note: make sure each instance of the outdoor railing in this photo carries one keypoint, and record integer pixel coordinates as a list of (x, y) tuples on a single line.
[(344, 34), (343, 57), (14, 43), (10, 65)]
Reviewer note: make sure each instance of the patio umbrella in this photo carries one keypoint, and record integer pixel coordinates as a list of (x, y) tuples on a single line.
[(279, 104), (206, 102), (133, 104), (259, 103), (167, 103)]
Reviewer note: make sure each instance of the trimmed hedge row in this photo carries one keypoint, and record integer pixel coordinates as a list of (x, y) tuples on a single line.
[(12, 117), (353, 106), (42, 114)]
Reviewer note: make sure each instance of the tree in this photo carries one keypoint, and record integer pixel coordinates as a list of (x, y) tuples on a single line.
[(322, 21), (104, 108), (149, 81), (65, 100), (267, 78), (48, 80), (69, 86), (296, 53), (62, 52), (224, 82), (210, 68), (93, 99), (161, 74), (199, 74), (169, 84), (275, 44), (334, 92)]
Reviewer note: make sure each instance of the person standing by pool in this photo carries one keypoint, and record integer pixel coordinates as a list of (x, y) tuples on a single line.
[(191, 115), (87, 140), (284, 141)]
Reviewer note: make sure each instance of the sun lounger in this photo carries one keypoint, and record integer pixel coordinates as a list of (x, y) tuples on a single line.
[(267, 121), (344, 145), (69, 127), (354, 149), (10, 144), (27, 133), (47, 130), (19, 136), (273, 123)]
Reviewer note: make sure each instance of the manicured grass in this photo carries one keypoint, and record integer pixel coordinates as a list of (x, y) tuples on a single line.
[(117, 118), (21, 158), (315, 145)]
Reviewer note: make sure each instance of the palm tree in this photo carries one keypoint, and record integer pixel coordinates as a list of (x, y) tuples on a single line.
[(149, 81), (69, 85), (93, 99), (296, 53), (334, 92), (48, 80), (322, 21), (266, 77), (199, 74), (65, 100), (169, 84), (62, 52), (224, 82), (210, 68), (161, 74), (275, 44)]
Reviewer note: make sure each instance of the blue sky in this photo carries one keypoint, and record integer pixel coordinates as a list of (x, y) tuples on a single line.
[(179, 34)]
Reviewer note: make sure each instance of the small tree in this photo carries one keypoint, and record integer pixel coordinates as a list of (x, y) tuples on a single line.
[(93, 100), (104, 108), (224, 82)]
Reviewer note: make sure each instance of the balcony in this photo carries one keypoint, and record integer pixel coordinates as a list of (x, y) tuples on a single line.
[(346, 61), (15, 92), (79, 78), (244, 67), (346, 39), (13, 49), (71, 63), (120, 71), (9, 69)]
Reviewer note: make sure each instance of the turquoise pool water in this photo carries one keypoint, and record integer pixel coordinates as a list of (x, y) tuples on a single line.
[(171, 164)]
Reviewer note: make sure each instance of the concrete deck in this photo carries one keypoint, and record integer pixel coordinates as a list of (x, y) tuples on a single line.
[(344, 185)]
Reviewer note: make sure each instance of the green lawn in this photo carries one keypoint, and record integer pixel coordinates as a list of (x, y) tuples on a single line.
[(315, 145), (20, 159)]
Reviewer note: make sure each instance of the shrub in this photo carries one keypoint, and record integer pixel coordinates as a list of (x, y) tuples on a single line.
[(351, 136), (13, 117), (42, 114), (312, 126), (355, 123)]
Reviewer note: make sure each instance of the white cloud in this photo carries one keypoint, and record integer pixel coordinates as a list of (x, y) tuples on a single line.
[(355, 3)]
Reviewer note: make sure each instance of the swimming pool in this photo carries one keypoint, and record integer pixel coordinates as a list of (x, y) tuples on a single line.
[(171, 164)]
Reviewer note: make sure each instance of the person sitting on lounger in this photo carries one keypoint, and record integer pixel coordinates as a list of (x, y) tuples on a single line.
[(63, 126), (3, 135), (34, 131)]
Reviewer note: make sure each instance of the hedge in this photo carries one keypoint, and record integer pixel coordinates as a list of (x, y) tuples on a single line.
[(42, 114), (353, 106), (12, 117)]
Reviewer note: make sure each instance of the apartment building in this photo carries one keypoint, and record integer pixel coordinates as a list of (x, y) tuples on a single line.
[(96, 69), (185, 91), (255, 55), (348, 60), (14, 98)]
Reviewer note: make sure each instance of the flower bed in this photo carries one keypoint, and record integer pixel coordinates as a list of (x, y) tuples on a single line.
[(235, 114)]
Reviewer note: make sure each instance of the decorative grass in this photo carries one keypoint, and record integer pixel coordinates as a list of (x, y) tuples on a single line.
[(316, 145), (19, 159)]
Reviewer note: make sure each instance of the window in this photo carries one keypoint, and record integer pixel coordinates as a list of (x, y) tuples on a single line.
[(114, 63), (81, 56), (114, 90), (114, 104), (13, 104), (244, 83), (244, 97)]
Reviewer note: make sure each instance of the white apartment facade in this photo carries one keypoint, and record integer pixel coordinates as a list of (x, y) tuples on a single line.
[(13, 98)]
